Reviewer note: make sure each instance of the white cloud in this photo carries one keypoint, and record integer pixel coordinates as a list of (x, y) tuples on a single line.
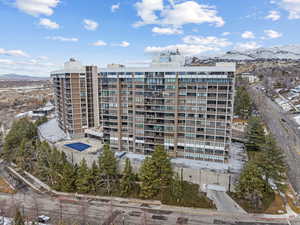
[(13, 53), (37, 7), (273, 15), (271, 34), (146, 10), (193, 45), (43, 57), (99, 43), (31, 66), (166, 30), (248, 35), (247, 46), (191, 12), (176, 14), (6, 61), (183, 48), (115, 7), (48, 24), (226, 33), (292, 6), (64, 39), (124, 44), (206, 41), (90, 24)]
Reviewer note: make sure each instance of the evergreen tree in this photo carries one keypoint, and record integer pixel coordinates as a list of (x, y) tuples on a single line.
[(156, 173), (95, 178), (18, 219), (127, 183), (255, 134), (272, 162), (108, 169), (83, 178), (25, 155), (163, 166), (68, 180), (177, 187), (21, 129), (149, 180), (20, 155), (56, 167), (43, 164), (242, 104), (251, 185)]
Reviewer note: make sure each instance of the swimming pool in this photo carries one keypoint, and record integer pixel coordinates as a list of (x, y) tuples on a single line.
[(78, 146)]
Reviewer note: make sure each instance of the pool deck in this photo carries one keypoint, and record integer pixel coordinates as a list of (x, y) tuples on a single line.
[(94, 146)]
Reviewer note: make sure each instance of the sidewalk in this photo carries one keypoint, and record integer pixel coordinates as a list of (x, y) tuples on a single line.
[(225, 203)]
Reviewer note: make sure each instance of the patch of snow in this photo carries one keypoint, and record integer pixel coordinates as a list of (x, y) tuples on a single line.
[(277, 52)]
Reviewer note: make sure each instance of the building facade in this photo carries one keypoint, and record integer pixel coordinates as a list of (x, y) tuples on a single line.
[(76, 97), (186, 109)]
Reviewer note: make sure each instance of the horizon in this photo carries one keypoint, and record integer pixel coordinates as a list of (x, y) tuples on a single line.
[(42, 35), (137, 64)]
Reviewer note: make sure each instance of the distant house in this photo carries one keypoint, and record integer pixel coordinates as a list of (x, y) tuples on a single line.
[(38, 113), (251, 78), (46, 110)]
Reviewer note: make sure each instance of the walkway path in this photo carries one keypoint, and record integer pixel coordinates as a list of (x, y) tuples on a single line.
[(224, 202)]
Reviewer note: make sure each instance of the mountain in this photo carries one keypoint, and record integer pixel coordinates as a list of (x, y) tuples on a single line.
[(18, 77), (277, 52)]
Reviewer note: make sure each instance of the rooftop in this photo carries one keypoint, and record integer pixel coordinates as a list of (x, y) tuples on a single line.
[(173, 62), (51, 132)]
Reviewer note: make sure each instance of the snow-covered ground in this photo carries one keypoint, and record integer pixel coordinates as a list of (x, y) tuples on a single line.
[(9, 221)]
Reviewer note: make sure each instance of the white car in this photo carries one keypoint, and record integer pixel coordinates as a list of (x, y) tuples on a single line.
[(43, 219)]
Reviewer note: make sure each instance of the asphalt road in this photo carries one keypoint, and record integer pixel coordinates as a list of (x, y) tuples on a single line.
[(284, 129)]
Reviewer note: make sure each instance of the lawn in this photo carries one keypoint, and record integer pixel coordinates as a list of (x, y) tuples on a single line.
[(5, 188)]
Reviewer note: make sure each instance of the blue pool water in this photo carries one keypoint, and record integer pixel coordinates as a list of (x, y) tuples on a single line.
[(78, 146)]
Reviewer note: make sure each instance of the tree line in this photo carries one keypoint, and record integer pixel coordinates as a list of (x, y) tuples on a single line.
[(265, 170), (155, 179)]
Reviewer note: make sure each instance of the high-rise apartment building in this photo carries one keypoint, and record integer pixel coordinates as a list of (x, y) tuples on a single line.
[(188, 109), (76, 97)]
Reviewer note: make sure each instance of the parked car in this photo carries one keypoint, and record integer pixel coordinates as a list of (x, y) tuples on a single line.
[(43, 219)]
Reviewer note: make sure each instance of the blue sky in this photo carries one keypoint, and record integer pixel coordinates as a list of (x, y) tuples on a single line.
[(39, 35)]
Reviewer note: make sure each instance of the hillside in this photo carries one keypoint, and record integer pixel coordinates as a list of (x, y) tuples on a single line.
[(18, 77), (277, 52)]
